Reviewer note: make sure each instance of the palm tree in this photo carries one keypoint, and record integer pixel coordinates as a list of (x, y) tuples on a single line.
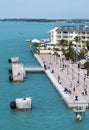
[(77, 40), (70, 54), (63, 42), (86, 66), (87, 44), (63, 45), (81, 54)]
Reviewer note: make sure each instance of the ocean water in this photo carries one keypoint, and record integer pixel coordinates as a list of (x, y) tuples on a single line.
[(49, 112)]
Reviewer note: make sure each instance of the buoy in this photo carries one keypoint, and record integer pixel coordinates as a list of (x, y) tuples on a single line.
[(9, 60), (13, 104), (78, 117), (10, 70), (10, 78)]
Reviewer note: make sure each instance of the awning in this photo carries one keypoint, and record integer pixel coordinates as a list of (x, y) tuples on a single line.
[(35, 41)]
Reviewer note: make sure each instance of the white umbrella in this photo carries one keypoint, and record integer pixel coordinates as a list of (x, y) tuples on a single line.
[(35, 41)]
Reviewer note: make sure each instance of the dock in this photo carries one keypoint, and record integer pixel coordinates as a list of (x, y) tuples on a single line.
[(34, 69), (18, 72), (73, 100)]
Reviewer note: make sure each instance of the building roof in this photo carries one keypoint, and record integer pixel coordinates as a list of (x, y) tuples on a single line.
[(72, 29)]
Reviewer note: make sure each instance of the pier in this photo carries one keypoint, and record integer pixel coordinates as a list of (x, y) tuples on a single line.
[(19, 71), (34, 69), (72, 100)]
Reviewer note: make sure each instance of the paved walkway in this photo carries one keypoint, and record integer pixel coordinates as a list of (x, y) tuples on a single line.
[(68, 75)]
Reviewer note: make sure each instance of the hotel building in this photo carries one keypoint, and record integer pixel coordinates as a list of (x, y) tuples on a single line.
[(68, 33)]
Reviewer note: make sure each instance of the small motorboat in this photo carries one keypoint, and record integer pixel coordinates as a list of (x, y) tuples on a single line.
[(79, 111)]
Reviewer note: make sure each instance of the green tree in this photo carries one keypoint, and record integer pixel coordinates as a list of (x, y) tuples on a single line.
[(86, 66), (81, 54), (63, 43), (87, 44), (77, 39), (70, 54)]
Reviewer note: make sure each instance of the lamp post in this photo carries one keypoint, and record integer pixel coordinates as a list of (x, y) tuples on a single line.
[(56, 58), (78, 77), (50, 55), (67, 69), (84, 83), (84, 79), (73, 71), (60, 61)]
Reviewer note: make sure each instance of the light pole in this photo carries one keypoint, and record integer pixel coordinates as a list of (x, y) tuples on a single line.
[(60, 61), (56, 58), (78, 77), (84, 83), (67, 69), (84, 79), (73, 71)]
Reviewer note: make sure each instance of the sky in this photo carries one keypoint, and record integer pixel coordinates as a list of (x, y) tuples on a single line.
[(48, 9)]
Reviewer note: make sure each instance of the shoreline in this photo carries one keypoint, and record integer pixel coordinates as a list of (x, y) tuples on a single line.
[(44, 20)]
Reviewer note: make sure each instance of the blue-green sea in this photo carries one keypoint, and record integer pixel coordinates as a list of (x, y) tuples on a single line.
[(49, 112)]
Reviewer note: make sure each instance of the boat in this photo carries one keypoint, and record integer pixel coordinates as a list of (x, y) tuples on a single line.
[(79, 111), (28, 40)]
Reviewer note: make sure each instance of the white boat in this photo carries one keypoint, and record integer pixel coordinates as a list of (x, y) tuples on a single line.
[(79, 112), (28, 40)]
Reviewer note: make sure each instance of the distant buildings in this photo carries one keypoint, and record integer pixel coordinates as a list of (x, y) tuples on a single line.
[(68, 33)]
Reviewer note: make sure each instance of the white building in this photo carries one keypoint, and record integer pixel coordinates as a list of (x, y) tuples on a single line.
[(68, 33)]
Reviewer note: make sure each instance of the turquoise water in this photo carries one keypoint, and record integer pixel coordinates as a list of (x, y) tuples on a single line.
[(49, 111)]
